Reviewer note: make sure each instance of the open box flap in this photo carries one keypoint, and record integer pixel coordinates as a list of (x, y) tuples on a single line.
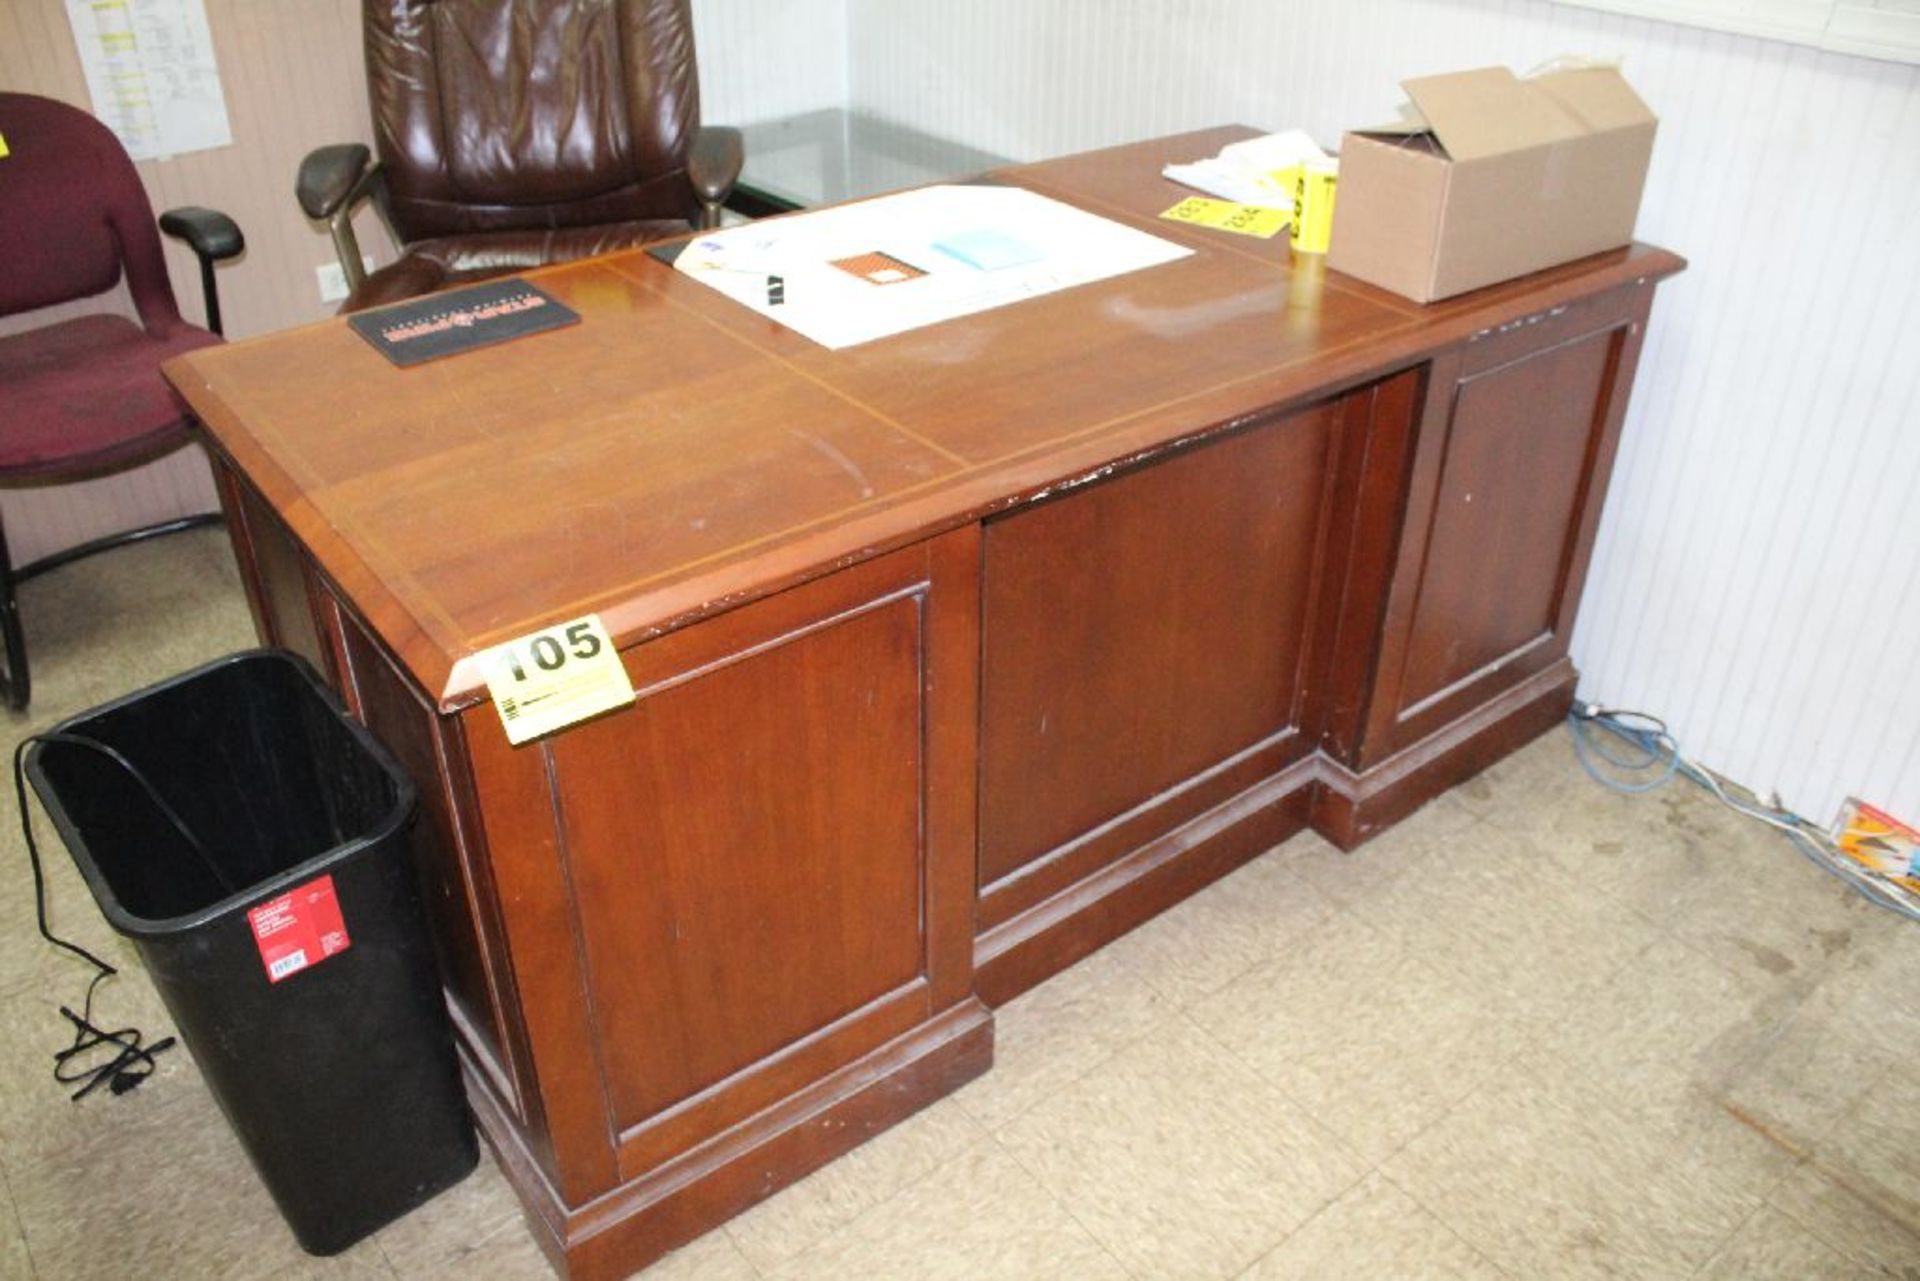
[(1410, 125), (1489, 111), (1597, 98)]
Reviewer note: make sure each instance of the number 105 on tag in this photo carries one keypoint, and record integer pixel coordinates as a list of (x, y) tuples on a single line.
[(556, 677), (545, 653)]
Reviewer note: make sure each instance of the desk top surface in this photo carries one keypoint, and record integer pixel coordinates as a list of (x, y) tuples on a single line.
[(675, 454)]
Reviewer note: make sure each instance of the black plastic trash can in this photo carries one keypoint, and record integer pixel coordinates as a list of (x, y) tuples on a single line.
[(282, 928)]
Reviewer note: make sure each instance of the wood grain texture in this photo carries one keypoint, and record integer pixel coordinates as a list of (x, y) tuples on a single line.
[(1166, 609), (775, 759), (467, 501), (947, 674), (1516, 444)]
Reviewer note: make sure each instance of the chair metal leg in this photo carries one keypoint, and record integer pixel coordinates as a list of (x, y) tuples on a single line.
[(68, 555), (16, 685)]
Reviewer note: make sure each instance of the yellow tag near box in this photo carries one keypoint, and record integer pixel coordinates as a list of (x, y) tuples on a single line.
[(1311, 217), (1225, 215), (1493, 178)]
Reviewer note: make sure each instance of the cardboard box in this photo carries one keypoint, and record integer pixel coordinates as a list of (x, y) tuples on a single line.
[(1496, 177)]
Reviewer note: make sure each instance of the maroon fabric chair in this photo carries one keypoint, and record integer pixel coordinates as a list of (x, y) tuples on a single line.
[(84, 396), (514, 133)]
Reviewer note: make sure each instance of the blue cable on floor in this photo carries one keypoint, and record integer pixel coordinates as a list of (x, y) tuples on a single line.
[(1656, 748)]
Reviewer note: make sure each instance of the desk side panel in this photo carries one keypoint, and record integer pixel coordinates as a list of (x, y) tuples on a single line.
[(755, 880), (295, 607), (1515, 446)]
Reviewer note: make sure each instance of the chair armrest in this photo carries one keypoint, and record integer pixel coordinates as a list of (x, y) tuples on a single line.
[(713, 165), (330, 183), (213, 236), (329, 176)]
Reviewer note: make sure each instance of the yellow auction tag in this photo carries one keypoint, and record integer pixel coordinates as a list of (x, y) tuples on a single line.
[(1224, 215), (555, 677), (4, 153)]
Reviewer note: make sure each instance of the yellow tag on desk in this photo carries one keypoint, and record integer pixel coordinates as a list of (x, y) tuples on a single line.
[(1224, 215), (554, 677)]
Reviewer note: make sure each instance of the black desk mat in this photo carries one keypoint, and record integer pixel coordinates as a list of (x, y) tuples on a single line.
[(410, 333)]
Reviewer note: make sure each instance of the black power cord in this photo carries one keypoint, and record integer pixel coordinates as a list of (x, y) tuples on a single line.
[(118, 1058)]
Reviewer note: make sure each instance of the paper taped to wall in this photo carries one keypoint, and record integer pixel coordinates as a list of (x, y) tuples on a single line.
[(150, 70)]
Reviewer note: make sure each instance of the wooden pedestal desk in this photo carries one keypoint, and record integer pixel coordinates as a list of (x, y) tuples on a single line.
[(958, 654)]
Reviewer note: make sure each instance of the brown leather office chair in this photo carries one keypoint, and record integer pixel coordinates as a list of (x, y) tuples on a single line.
[(513, 133)]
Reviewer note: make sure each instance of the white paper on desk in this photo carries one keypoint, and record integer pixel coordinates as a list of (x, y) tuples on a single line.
[(150, 71), (931, 255), (1244, 171)]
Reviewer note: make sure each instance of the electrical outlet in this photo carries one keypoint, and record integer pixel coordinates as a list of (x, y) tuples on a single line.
[(333, 282), (333, 279)]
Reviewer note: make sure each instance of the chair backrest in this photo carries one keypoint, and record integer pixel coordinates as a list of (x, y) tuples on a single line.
[(73, 214), (493, 115)]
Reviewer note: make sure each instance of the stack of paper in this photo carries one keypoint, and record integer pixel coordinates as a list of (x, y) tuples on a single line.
[(1259, 171), (853, 273)]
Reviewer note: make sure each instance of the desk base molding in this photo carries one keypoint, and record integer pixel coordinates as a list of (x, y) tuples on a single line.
[(672, 1204), (1349, 808), (1050, 936)]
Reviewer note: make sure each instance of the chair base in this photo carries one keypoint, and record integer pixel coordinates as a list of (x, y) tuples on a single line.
[(16, 685)]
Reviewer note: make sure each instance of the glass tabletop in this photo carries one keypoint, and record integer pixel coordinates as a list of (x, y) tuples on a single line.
[(823, 157)]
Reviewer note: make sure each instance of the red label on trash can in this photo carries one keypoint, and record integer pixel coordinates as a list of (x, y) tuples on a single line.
[(299, 929)]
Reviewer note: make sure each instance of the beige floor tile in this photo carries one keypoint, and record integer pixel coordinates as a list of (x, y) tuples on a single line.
[(14, 1261), (1179, 1159), (978, 1217), (1541, 765), (802, 1215), (96, 630), (1875, 1147), (115, 623), (38, 1116), (1049, 1037), (1799, 1076), (28, 963), (1763, 906), (1498, 916), (1674, 1039), (1772, 1247), (169, 1183), (1863, 994), (713, 1257), (1373, 1043), (475, 1224), (1375, 1230), (1350, 878), (1546, 1185), (505, 1252), (1344, 878), (1648, 853), (1224, 930), (1873, 1235)]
